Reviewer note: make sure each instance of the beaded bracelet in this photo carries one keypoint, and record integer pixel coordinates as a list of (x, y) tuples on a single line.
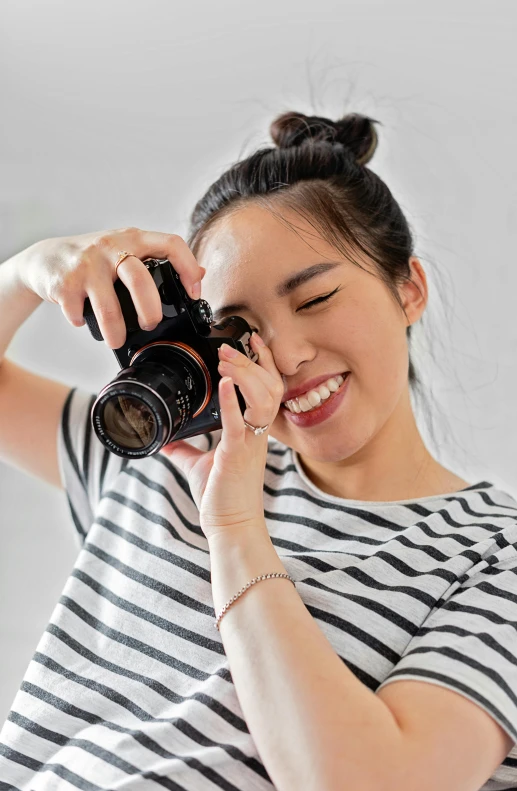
[(245, 588)]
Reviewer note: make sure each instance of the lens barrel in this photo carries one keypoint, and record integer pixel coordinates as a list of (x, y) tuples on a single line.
[(145, 406)]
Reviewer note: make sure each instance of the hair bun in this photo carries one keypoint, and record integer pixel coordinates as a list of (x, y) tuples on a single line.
[(355, 132)]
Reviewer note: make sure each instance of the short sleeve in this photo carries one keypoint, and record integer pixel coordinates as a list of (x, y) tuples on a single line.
[(468, 643), (87, 467)]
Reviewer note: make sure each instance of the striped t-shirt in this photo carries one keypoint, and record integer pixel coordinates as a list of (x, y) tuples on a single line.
[(130, 686)]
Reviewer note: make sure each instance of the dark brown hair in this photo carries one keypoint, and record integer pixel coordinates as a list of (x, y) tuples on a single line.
[(318, 170)]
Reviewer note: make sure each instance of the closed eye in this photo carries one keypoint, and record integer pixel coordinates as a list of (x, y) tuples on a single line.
[(317, 301), (313, 302)]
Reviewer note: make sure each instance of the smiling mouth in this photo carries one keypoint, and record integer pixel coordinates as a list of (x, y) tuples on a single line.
[(312, 399)]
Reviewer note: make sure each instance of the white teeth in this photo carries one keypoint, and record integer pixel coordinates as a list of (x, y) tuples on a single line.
[(313, 398)]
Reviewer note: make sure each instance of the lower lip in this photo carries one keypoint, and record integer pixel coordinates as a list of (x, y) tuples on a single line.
[(320, 413)]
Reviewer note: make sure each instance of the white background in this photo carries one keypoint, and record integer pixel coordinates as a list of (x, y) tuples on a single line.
[(123, 113)]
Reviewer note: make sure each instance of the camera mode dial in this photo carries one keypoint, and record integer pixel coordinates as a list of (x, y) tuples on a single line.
[(202, 313)]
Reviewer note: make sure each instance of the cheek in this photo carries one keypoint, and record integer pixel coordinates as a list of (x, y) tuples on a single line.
[(375, 347)]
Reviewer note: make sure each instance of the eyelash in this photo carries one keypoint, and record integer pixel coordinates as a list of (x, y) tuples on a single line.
[(319, 300), (314, 302)]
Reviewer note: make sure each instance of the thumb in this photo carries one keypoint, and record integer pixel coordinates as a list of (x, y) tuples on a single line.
[(182, 455)]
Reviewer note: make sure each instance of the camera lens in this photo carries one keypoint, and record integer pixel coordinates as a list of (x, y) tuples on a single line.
[(129, 422), (149, 402)]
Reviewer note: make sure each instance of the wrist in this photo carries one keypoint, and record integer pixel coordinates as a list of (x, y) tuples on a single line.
[(17, 302), (19, 266), (237, 558), (239, 535)]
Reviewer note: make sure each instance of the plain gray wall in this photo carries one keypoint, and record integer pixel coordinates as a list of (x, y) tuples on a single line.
[(122, 113)]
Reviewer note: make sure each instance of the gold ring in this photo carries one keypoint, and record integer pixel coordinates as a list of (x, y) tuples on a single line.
[(121, 257)]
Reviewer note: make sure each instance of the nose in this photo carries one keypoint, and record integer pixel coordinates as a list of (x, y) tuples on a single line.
[(290, 350)]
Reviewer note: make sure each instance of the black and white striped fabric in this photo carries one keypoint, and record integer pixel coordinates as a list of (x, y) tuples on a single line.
[(130, 688)]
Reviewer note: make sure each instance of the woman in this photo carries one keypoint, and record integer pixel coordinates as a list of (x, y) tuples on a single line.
[(391, 661)]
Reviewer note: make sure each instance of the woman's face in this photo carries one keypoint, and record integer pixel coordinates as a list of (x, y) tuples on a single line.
[(252, 261)]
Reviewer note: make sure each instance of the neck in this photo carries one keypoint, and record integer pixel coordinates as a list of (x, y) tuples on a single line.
[(394, 465)]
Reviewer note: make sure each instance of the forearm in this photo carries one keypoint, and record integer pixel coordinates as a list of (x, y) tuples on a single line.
[(316, 726), (16, 301)]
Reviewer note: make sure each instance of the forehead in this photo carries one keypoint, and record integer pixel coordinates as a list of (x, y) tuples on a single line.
[(251, 249)]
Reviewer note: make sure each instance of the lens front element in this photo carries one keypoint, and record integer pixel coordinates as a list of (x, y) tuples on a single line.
[(129, 422)]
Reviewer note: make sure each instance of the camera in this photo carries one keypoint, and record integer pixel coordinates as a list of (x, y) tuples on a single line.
[(167, 388)]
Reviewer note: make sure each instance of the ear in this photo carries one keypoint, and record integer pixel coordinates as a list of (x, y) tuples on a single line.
[(414, 293)]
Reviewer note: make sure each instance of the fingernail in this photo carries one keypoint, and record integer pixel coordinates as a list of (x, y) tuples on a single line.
[(196, 290), (229, 350), (258, 339)]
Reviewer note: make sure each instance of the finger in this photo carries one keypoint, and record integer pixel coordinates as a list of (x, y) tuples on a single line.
[(182, 454), (107, 310), (264, 368), (259, 399), (266, 359), (240, 360), (72, 306), (146, 297), (153, 244), (231, 417)]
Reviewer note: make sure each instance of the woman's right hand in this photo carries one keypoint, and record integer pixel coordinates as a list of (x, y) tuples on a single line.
[(65, 270)]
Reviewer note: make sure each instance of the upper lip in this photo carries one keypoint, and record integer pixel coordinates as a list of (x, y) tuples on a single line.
[(310, 384)]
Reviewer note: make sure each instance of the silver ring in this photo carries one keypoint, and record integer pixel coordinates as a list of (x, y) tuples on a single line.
[(256, 429)]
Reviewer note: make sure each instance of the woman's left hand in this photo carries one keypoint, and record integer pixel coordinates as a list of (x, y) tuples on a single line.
[(227, 482)]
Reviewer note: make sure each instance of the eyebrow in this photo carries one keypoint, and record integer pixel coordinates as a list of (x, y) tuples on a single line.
[(283, 289)]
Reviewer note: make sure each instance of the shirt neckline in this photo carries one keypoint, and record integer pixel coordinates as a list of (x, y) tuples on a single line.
[(331, 498)]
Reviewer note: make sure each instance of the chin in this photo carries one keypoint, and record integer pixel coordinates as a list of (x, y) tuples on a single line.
[(331, 443), (319, 449), (325, 454)]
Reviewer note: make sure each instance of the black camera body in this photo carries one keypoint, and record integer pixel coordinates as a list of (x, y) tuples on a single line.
[(168, 386)]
